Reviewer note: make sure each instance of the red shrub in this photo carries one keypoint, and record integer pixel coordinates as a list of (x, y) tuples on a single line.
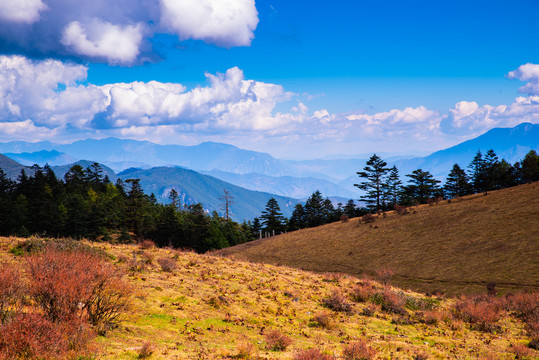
[(338, 302), (76, 283), (358, 351), (11, 290), (368, 218), (167, 264), (401, 210), (277, 341), (362, 292), (312, 354), (32, 336), (344, 218), (147, 244), (385, 275), (481, 312)]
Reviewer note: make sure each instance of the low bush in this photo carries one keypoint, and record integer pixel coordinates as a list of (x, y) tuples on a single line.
[(147, 244), (167, 264), (482, 313), (312, 354), (324, 320), (146, 350), (11, 291), (401, 210), (337, 302), (362, 292), (246, 350), (368, 218), (390, 301), (358, 351), (33, 336), (385, 275), (277, 341)]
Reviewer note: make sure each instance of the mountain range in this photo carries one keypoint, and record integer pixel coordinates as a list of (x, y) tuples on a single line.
[(221, 166)]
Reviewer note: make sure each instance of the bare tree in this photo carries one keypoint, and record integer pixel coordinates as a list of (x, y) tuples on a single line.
[(228, 201)]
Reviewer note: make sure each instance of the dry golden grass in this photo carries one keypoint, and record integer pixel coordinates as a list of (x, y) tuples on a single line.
[(213, 307), (453, 247)]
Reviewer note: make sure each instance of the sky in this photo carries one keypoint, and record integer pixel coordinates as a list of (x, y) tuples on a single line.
[(297, 79)]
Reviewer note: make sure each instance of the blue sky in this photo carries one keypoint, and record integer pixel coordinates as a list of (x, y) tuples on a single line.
[(297, 79)]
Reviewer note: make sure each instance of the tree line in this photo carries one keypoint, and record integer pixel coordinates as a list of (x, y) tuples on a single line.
[(383, 190), (86, 204)]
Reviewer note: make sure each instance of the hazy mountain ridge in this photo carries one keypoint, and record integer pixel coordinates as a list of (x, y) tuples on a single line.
[(194, 187)]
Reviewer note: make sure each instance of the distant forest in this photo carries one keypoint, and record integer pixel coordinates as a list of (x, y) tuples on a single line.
[(85, 204)]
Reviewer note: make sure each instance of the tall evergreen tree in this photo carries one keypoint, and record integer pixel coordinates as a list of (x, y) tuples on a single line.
[(529, 167), (457, 182), (422, 186), (478, 173), (392, 188), (350, 209), (374, 174), (272, 218), (315, 210), (297, 219)]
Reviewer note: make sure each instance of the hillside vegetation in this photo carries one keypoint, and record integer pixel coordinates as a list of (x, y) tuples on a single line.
[(452, 246), (190, 306)]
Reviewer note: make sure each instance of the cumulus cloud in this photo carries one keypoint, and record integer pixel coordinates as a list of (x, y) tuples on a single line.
[(467, 117), (117, 31), (50, 98), (530, 73), (104, 40), (21, 11), (225, 22)]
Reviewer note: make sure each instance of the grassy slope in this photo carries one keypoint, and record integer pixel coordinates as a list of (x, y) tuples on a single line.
[(212, 306), (449, 247)]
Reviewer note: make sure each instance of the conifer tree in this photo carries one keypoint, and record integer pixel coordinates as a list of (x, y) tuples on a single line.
[(374, 174), (272, 218), (457, 182)]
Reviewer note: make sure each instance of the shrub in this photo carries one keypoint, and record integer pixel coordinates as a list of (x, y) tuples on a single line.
[(525, 305), (277, 341), (66, 285), (147, 244), (370, 310), (362, 292), (401, 210), (358, 351), (146, 350), (33, 336), (344, 218), (312, 354), (337, 302), (522, 352), (167, 264), (11, 291), (368, 218), (385, 275), (246, 350), (390, 301), (324, 320), (481, 312), (431, 317)]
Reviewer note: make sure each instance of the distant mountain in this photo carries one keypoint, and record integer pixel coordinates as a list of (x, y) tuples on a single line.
[(11, 168), (511, 144), (282, 185), (51, 157), (194, 187), (60, 171)]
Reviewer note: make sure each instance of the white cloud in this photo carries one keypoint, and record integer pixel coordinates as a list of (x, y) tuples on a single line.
[(24, 130), (21, 11), (118, 44), (222, 22), (468, 118), (118, 31), (530, 73), (408, 115)]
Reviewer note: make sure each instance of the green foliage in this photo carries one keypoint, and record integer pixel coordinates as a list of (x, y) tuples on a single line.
[(374, 174)]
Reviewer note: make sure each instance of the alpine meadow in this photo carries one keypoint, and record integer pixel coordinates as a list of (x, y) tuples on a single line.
[(256, 179)]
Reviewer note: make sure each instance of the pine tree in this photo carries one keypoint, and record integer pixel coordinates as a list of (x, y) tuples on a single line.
[(297, 219), (457, 182), (315, 210), (422, 186), (272, 218), (350, 209), (477, 173), (374, 174), (392, 188), (530, 167)]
